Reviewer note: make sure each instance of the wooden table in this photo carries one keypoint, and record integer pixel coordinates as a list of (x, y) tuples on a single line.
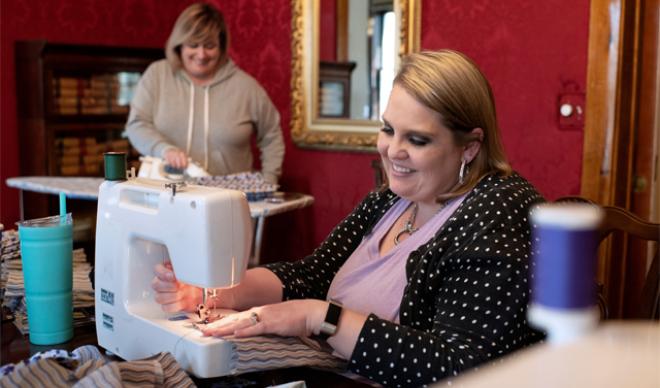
[(87, 188), (16, 347)]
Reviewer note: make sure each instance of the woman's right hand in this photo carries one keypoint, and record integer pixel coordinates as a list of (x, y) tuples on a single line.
[(173, 295), (176, 158)]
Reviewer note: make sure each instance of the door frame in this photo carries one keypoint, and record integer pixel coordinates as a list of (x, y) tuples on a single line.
[(621, 128)]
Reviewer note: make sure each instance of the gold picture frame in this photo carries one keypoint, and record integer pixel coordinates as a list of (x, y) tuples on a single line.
[(308, 130)]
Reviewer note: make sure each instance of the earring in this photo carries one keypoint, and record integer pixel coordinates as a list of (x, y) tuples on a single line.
[(462, 172)]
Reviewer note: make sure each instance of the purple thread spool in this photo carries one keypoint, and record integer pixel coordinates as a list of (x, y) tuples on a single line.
[(564, 248)]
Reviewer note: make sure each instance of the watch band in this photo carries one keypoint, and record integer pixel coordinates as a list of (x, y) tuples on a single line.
[(329, 326)]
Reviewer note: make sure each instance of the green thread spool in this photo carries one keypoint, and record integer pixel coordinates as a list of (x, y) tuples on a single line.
[(115, 166)]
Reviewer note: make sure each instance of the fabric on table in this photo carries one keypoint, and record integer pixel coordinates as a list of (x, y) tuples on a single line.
[(273, 352), (87, 367)]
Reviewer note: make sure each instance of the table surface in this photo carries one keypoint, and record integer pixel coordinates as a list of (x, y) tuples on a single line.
[(16, 347), (616, 354), (88, 188)]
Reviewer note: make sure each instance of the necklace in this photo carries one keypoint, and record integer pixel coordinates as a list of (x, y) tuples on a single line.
[(408, 226)]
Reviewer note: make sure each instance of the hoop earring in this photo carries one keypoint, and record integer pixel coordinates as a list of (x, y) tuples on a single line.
[(462, 172)]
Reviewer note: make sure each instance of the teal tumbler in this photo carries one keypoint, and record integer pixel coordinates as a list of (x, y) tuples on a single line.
[(47, 255)]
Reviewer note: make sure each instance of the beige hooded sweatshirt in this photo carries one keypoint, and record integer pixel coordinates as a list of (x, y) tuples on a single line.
[(213, 124)]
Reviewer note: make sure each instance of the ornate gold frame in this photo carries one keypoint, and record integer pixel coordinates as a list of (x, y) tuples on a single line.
[(309, 131)]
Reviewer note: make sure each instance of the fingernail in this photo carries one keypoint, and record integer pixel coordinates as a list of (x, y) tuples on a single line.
[(169, 275)]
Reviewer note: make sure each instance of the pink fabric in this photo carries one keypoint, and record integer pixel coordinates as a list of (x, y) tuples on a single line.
[(368, 283)]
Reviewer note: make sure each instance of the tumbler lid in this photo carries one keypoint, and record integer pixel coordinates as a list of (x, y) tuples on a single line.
[(46, 222)]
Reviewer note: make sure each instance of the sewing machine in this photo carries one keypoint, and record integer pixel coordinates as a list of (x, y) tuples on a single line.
[(205, 232)]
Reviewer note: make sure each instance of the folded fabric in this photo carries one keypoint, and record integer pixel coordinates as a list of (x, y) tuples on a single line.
[(87, 367)]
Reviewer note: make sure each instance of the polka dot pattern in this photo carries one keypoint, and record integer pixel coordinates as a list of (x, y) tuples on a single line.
[(467, 291)]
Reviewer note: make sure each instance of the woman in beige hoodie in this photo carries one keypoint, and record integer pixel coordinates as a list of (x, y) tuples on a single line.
[(198, 104)]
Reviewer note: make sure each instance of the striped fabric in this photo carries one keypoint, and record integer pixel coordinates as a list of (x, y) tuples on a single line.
[(272, 352), (87, 367)]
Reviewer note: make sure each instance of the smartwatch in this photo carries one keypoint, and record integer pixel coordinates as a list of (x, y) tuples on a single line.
[(329, 326)]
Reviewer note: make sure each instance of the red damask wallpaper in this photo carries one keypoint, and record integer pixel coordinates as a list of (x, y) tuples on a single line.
[(526, 48), (529, 50)]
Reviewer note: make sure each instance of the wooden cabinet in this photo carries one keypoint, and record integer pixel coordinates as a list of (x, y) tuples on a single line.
[(73, 103)]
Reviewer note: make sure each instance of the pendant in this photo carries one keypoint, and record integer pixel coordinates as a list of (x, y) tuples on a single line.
[(406, 229)]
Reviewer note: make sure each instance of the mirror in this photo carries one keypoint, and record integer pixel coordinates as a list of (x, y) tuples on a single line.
[(344, 57)]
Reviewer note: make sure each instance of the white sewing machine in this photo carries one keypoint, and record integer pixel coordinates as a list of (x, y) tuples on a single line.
[(205, 232)]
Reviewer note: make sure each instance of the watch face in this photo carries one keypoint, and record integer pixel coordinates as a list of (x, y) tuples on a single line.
[(328, 329)]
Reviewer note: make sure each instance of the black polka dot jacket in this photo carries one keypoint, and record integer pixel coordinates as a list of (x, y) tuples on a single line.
[(467, 292)]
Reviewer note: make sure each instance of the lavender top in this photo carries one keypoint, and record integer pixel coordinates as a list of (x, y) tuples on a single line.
[(371, 283)]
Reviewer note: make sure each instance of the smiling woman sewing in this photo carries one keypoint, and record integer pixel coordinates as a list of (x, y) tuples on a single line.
[(431, 271)]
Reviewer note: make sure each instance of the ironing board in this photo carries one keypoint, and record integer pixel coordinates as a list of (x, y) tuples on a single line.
[(87, 188)]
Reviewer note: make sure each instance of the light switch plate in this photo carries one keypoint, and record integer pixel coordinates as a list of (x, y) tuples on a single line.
[(570, 111)]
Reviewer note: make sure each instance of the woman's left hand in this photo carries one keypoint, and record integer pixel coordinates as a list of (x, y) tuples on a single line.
[(291, 318)]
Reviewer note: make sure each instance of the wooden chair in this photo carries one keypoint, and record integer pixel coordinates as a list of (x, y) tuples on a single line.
[(618, 220)]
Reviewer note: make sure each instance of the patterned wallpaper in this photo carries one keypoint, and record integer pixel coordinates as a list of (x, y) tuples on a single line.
[(529, 50), (526, 48)]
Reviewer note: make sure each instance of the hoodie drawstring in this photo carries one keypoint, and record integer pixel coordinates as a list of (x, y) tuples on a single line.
[(206, 128), (191, 115)]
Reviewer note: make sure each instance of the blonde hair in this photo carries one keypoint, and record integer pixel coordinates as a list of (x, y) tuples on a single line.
[(451, 84), (197, 23)]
